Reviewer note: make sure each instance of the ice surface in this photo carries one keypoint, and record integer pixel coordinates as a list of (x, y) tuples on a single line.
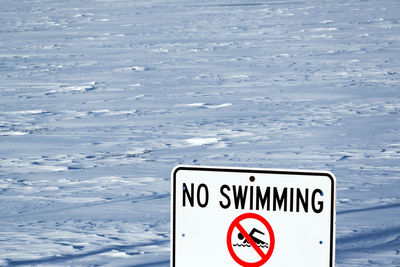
[(100, 99)]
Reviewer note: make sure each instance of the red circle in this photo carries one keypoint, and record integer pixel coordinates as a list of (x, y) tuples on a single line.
[(266, 257)]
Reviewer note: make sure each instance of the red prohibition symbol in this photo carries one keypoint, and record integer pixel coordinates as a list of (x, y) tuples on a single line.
[(264, 256)]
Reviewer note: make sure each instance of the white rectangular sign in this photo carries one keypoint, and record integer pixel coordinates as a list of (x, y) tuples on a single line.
[(252, 217)]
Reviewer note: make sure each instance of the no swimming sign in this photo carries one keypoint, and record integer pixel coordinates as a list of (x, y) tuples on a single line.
[(252, 217)]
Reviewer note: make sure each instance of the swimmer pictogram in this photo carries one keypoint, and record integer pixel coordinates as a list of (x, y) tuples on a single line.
[(246, 243), (250, 246)]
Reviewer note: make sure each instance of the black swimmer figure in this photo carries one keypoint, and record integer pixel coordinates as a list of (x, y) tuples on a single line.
[(255, 239)]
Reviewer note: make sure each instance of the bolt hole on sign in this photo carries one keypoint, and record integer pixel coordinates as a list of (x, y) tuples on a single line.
[(224, 216)]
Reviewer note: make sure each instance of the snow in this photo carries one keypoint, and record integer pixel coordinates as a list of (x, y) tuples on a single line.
[(201, 141), (100, 99)]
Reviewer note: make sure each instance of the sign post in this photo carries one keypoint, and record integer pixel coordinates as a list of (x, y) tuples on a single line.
[(252, 217)]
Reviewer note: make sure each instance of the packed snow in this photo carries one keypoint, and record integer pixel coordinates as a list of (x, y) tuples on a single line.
[(100, 99)]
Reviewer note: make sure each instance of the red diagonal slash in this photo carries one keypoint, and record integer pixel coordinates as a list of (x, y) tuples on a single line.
[(250, 240)]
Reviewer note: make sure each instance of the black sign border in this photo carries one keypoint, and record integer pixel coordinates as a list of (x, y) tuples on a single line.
[(254, 171)]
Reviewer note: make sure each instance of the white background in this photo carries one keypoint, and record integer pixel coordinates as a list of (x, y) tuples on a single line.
[(297, 235)]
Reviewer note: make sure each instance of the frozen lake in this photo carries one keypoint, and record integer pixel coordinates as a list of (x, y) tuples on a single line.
[(100, 99)]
